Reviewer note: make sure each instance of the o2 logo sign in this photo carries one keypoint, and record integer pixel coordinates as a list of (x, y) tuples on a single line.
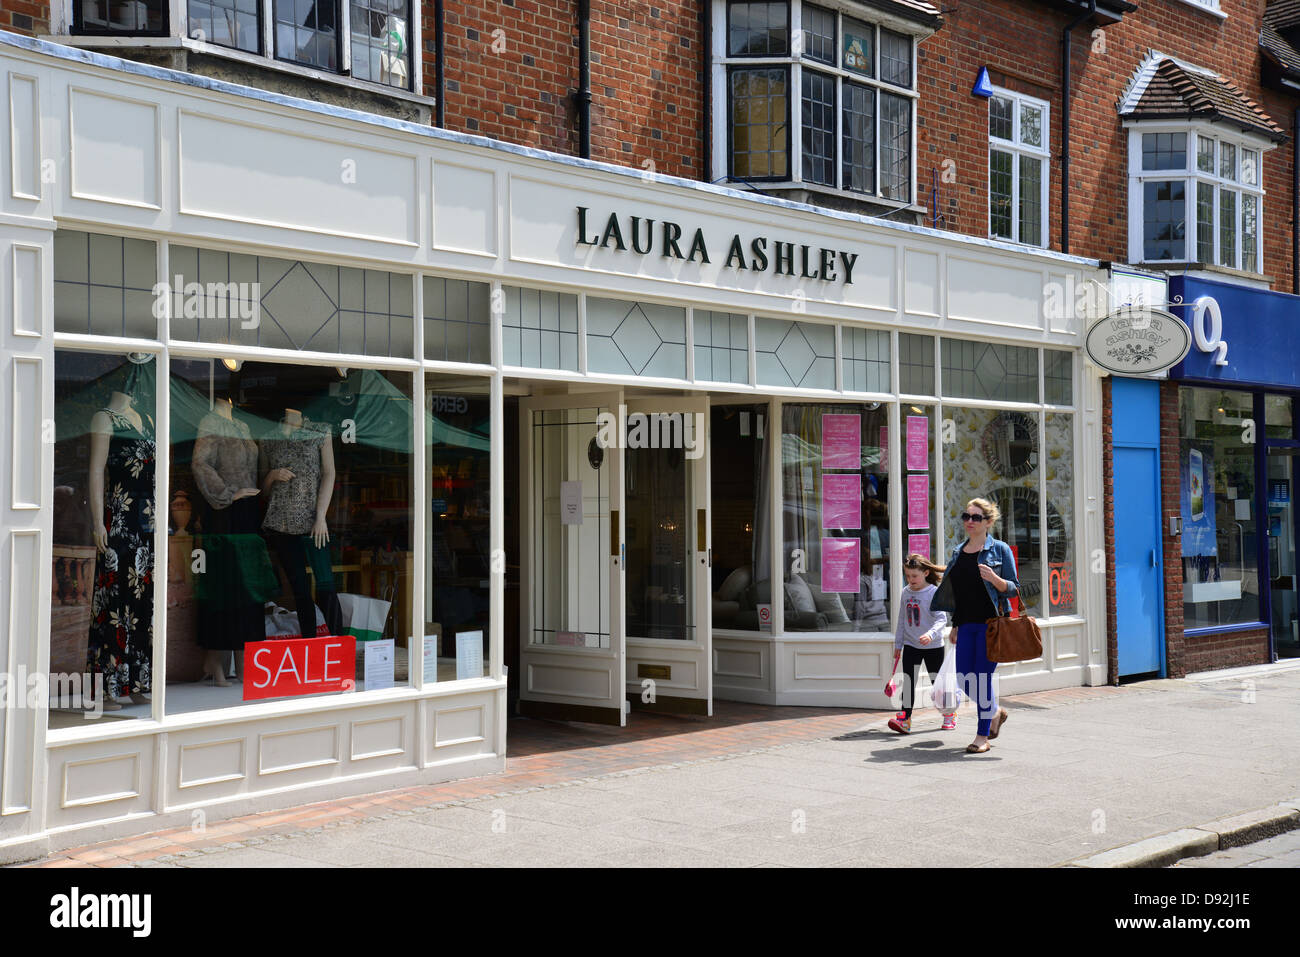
[(1209, 339)]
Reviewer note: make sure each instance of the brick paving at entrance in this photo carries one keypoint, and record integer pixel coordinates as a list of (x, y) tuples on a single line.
[(539, 754)]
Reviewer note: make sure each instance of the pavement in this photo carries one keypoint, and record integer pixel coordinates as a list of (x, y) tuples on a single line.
[(1075, 772)]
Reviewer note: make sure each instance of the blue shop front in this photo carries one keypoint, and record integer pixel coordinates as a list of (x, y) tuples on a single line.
[(1238, 468)]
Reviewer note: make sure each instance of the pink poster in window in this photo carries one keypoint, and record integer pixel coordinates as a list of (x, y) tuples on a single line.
[(918, 501), (884, 450), (841, 565), (841, 441), (919, 545), (841, 500), (918, 443)]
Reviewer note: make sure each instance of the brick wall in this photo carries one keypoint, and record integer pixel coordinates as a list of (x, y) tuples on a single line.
[(29, 17), (1228, 650)]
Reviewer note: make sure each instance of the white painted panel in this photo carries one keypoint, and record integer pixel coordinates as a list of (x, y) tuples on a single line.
[(737, 663), (115, 149), (987, 292), (101, 780), (26, 302), (452, 726), (543, 228), (211, 762), (26, 425), (378, 738), (464, 209), (24, 138), (570, 680), (1064, 644), (292, 750), (248, 173), (1069, 301), (922, 283), (832, 666), (18, 760)]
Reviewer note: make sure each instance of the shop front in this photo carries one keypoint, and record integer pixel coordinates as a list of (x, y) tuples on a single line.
[(332, 435), (1233, 400)]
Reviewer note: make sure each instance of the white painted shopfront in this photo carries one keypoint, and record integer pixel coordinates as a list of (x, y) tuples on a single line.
[(418, 269)]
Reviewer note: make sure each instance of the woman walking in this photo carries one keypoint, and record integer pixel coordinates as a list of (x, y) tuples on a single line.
[(982, 571)]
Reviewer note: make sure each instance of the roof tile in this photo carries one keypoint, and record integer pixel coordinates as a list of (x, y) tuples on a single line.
[(1176, 92)]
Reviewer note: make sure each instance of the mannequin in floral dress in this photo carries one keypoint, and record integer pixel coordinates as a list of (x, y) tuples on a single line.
[(121, 487)]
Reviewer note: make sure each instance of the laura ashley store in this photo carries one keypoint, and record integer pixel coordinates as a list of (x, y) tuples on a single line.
[(321, 425)]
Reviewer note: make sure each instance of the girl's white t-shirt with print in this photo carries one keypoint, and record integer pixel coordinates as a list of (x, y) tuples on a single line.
[(915, 619)]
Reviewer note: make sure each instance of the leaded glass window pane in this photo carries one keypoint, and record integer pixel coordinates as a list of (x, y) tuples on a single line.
[(799, 354), (721, 346), (103, 285), (1031, 200), (457, 320), (758, 29), (895, 147), (818, 34), (1000, 165), (1250, 232), (896, 58), (1249, 167), (818, 128), (758, 123), (1227, 161), (1164, 151), (636, 338), (859, 47), (1204, 223), (1165, 219), (1031, 125), (539, 329), (229, 23), (1058, 377), (306, 32), (380, 45), (866, 359), (987, 370), (1001, 109), (1205, 154), (1227, 228), (916, 364), (859, 126)]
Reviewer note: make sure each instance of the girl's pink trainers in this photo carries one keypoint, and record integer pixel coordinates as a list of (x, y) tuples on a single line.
[(903, 726), (949, 723)]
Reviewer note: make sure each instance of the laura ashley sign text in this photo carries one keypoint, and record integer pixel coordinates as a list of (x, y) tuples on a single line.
[(760, 254)]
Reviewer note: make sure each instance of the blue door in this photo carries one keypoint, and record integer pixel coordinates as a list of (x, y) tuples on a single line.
[(1139, 578)]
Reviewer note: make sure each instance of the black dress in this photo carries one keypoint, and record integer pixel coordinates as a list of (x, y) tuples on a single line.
[(121, 610)]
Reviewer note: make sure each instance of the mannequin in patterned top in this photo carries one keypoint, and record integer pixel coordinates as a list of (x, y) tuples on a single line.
[(121, 481)]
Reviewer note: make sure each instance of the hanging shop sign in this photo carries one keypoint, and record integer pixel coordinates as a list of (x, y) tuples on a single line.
[(1137, 341), (643, 236)]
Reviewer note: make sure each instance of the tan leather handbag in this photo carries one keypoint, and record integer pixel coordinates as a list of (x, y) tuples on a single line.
[(1013, 639)]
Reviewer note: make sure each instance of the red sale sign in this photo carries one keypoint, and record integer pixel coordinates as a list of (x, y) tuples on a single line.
[(297, 666)]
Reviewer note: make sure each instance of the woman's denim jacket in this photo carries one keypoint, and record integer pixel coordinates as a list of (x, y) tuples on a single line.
[(997, 555)]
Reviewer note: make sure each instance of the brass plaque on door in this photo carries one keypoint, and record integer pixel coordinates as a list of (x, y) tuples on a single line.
[(658, 672), (613, 533), (701, 529)]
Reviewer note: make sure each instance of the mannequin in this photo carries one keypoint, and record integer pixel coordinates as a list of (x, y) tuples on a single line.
[(121, 481), (297, 462), (238, 577)]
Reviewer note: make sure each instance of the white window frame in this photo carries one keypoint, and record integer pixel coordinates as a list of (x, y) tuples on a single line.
[(1208, 6), (1017, 149), (1191, 176), (722, 62), (61, 22)]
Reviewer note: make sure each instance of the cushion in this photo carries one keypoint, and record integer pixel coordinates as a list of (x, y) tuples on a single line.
[(733, 585), (798, 596), (830, 604), (725, 610)]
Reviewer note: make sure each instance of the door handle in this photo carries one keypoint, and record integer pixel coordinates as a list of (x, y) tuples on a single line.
[(1153, 558)]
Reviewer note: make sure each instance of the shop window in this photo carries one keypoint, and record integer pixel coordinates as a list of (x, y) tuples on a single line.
[(866, 359), (458, 469), (1019, 154), (987, 370), (741, 508), (636, 338), (290, 516), (995, 455), (853, 80), (915, 364), (104, 285), (104, 514), (918, 464), (835, 507), (721, 346), (1058, 485), (1218, 500), (539, 329), (1211, 177), (233, 298), (457, 320), (798, 354)]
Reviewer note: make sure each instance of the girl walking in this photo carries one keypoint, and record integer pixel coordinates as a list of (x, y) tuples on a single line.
[(982, 571), (919, 636)]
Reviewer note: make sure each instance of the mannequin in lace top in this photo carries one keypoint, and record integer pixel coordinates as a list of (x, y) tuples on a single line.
[(238, 577)]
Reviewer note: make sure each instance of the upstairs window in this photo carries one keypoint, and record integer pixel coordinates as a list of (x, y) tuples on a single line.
[(1196, 197), (1019, 156), (141, 18), (819, 98)]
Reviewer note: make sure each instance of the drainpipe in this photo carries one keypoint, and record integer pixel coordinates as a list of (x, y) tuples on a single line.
[(1066, 49), (440, 87), (584, 79), (706, 131)]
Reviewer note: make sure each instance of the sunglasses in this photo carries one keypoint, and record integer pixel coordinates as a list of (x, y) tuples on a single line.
[(972, 517)]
